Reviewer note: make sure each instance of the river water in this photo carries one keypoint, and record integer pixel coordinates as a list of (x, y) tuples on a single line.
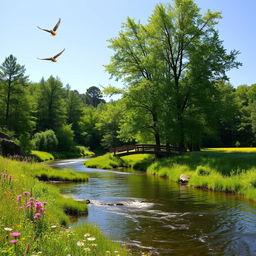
[(159, 216)]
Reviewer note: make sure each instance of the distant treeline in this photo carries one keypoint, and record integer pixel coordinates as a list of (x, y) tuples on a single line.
[(176, 91)]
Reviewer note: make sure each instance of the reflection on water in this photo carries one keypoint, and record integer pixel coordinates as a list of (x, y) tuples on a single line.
[(153, 214)]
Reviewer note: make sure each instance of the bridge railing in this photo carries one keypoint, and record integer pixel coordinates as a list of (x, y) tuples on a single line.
[(143, 148)]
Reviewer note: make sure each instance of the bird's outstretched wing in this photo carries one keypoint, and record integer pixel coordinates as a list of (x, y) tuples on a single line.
[(57, 25), (57, 55), (44, 29), (45, 59)]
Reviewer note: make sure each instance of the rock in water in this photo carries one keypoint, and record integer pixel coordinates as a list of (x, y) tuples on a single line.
[(184, 178)]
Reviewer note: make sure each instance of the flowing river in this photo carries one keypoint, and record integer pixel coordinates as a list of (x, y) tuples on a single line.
[(151, 214)]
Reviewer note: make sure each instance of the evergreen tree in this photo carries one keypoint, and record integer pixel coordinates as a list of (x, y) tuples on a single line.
[(14, 100), (51, 108)]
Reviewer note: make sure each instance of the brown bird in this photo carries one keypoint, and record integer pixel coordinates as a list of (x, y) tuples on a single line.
[(54, 58), (53, 31)]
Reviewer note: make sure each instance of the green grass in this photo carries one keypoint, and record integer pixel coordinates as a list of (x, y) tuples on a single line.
[(139, 161), (225, 170), (42, 156), (78, 151), (46, 173), (46, 235), (107, 161)]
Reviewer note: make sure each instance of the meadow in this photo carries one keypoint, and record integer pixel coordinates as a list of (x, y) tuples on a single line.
[(34, 217)]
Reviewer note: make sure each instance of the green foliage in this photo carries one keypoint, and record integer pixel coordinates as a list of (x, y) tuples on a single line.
[(93, 96), (14, 103), (45, 141), (65, 136), (51, 109), (83, 151), (170, 66), (25, 143), (91, 136), (108, 124)]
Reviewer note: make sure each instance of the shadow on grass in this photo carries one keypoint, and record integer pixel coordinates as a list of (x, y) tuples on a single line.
[(225, 163)]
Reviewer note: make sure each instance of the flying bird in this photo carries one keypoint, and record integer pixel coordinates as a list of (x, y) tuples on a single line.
[(52, 31), (54, 58)]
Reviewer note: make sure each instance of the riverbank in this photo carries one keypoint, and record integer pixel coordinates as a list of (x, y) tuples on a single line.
[(231, 170), (34, 215), (78, 151)]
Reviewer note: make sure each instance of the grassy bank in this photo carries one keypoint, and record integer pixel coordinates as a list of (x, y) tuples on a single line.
[(42, 156), (46, 173), (231, 170), (33, 219), (78, 151), (226, 169), (109, 161)]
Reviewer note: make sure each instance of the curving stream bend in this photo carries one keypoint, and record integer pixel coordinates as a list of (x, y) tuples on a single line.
[(159, 216)]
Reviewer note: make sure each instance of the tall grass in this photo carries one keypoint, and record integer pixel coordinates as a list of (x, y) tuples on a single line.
[(219, 170), (45, 173), (46, 234), (42, 156)]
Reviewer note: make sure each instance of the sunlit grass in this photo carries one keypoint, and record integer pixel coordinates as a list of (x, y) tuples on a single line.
[(54, 239), (45, 173), (107, 161), (42, 156), (217, 169), (230, 150)]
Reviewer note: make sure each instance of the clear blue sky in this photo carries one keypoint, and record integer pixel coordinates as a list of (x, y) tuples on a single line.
[(86, 25)]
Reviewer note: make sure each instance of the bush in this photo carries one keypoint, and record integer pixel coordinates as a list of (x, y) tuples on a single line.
[(45, 141)]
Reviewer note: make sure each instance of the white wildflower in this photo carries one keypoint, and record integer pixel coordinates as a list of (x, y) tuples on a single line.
[(8, 229), (91, 238), (79, 243)]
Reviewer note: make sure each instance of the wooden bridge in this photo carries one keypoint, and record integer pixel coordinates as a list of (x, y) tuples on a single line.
[(145, 149)]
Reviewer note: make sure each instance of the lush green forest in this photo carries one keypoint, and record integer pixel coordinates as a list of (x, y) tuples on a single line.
[(173, 85)]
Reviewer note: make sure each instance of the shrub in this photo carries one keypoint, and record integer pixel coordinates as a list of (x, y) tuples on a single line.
[(45, 141)]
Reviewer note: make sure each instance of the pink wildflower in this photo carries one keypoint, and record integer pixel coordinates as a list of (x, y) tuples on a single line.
[(21, 208), (45, 203), (31, 198), (29, 204), (19, 197), (37, 215), (14, 241), (26, 193), (39, 206), (15, 234), (10, 177)]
